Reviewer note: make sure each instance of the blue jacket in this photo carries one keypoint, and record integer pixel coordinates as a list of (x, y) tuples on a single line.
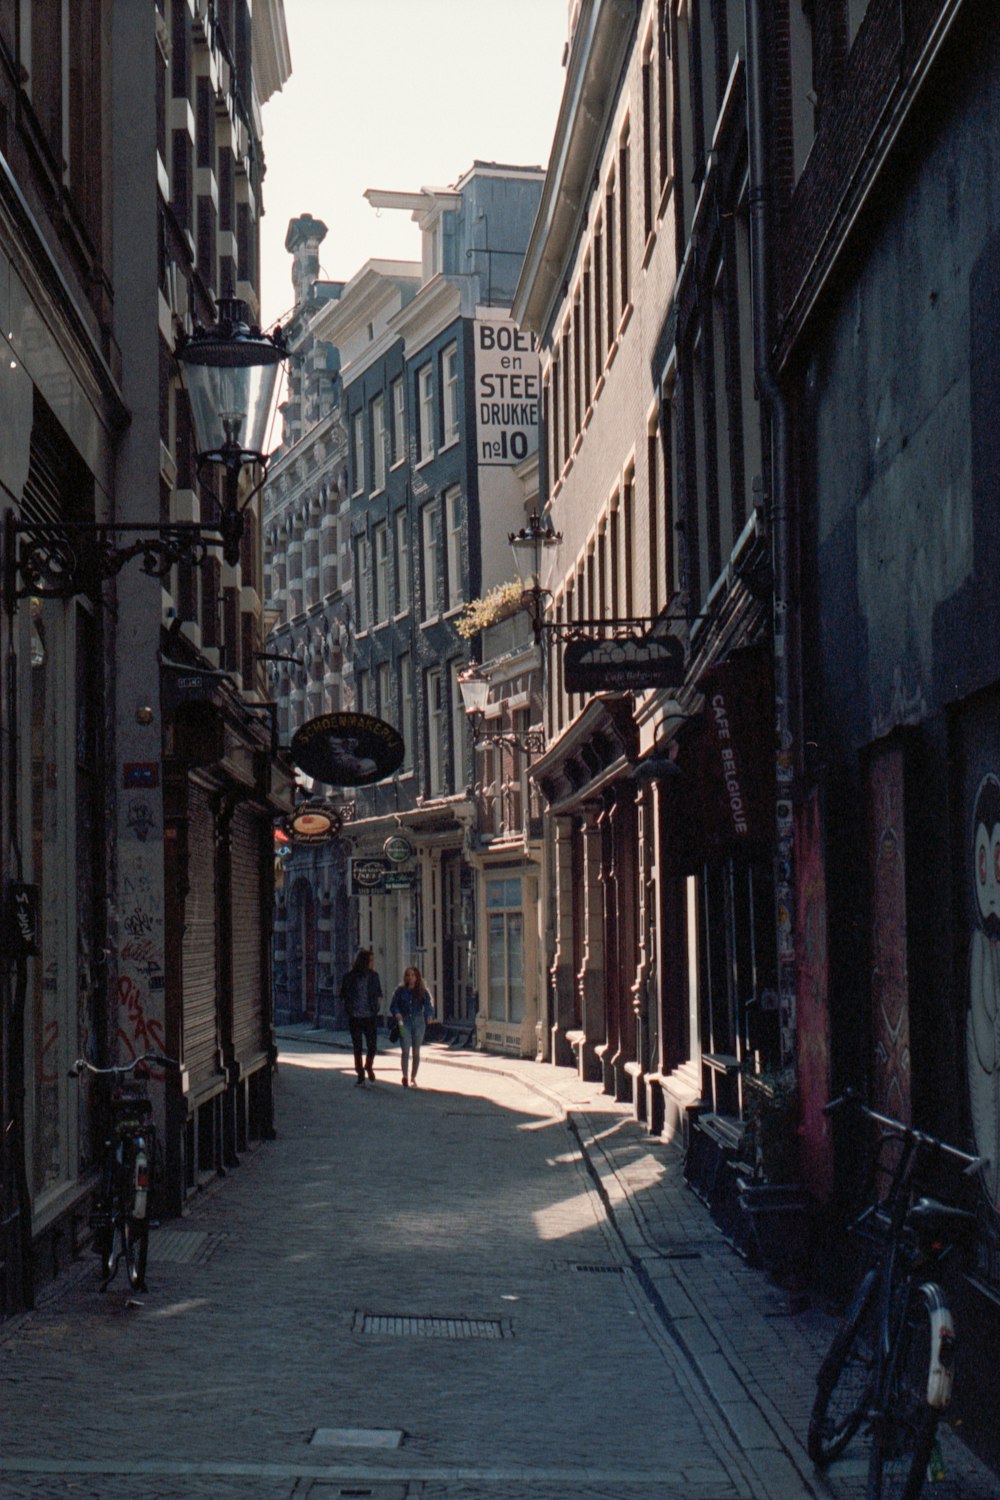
[(407, 1003)]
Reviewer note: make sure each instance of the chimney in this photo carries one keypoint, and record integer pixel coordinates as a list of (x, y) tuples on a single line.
[(304, 237)]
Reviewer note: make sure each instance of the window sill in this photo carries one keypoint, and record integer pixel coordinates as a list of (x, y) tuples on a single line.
[(430, 620), (612, 354), (376, 492), (403, 614), (449, 443), (626, 320), (423, 462), (666, 193), (399, 463), (647, 254), (455, 609)]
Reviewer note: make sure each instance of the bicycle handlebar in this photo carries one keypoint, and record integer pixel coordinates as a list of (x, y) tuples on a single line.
[(849, 1098), (157, 1059)]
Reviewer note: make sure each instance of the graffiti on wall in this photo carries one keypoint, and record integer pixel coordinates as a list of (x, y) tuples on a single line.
[(982, 1025)]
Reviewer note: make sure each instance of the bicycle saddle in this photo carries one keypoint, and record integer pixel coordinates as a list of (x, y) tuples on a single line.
[(941, 1221)]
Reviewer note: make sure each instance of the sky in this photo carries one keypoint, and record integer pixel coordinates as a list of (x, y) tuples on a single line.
[(398, 94)]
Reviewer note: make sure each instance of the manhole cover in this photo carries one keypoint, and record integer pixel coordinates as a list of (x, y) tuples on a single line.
[(183, 1247), (356, 1437), (433, 1328)]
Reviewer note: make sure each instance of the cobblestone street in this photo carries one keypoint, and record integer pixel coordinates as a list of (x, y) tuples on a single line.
[(490, 1286)]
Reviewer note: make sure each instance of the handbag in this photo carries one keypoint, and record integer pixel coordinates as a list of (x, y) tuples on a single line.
[(393, 1029)]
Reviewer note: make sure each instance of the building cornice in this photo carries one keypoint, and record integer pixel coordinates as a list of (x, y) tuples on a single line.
[(272, 60), (601, 44), (375, 288), (435, 307)]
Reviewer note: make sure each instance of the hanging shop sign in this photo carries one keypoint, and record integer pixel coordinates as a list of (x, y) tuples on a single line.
[(347, 749), (623, 666), (723, 797), (367, 876), (398, 880), (314, 822), (397, 849)]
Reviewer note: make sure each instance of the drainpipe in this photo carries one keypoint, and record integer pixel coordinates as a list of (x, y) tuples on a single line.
[(762, 274)]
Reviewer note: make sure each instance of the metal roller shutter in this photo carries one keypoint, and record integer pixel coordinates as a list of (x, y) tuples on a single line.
[(249, 928), (200, 1019)]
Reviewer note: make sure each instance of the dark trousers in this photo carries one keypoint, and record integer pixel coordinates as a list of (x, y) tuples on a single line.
[(363, 1029)]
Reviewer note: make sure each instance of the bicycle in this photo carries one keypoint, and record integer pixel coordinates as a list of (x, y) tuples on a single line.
[(891, 1363), (120, 1218)]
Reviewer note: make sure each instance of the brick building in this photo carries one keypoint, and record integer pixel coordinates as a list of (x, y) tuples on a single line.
[(884, 344), (141, 791)]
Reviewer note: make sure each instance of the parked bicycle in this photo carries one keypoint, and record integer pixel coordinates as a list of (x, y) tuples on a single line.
[(891, 1363), (120, 1218)]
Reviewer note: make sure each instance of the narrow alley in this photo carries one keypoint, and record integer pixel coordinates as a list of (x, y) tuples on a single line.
[(477, 1288)]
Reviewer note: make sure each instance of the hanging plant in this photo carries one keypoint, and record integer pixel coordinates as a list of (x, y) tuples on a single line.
[(499, 604)]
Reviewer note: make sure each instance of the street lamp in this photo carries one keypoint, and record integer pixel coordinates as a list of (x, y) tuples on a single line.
[(527, 545), (229, 372), (475, 696)]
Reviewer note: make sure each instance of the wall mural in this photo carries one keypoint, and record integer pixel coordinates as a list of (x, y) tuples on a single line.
[(982, 1027)]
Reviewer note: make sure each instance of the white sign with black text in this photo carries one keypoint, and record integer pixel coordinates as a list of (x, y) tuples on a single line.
[(507, 392)]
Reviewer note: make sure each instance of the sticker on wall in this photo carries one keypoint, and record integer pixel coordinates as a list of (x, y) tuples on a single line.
[(347, 749)]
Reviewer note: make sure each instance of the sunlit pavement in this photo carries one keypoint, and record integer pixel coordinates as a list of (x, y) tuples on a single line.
[(494, 1285)]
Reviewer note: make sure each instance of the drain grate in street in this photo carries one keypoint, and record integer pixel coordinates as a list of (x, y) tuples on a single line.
[(578, 1265), (433, 1328), (183, 1247)]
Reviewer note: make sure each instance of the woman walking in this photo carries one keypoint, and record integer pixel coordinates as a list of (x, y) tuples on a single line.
[(361, 992), (413, 1007)]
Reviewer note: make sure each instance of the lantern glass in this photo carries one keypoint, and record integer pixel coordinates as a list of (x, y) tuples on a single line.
[(230, 401), (475, 694), (230, 372)]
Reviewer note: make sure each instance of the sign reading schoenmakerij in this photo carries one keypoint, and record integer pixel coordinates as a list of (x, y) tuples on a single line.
[(507, 389)]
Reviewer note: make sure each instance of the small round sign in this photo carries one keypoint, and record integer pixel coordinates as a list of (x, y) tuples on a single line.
[(397, 849), (347, 749)]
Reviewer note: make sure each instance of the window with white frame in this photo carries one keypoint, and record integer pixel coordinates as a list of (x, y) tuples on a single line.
[(453, 525), (398, 397), (402, 562), (358, 451), (425, 412), (505, 946), (405, 720), (378, 442), (430, 534), (364, 692), (434, 685), (380, 573), (459, 728), (383, 691), (449, 392), (362, 568)]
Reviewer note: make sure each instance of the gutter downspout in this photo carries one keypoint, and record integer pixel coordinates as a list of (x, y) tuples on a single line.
[(762, 274)]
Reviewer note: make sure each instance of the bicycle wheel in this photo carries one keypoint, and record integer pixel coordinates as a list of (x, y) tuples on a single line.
[(903, 1431), (844, 1382), (104, 1220), (136, 1251)]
